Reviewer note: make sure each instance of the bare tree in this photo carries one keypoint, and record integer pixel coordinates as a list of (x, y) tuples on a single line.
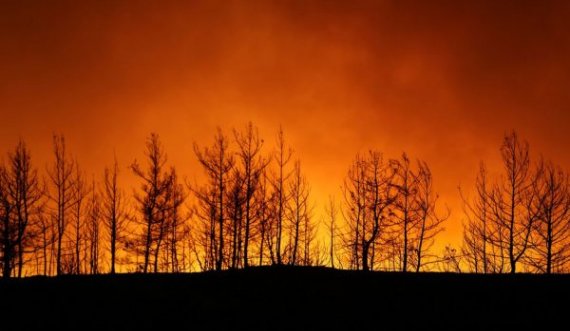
[(79, 193), (235, 211), (368, 193), (113, 211), (93, 236), (264, 215), (8, 248), (176, 231), (511, 202), (204, 242), (313, 252), (45, 238), (550, 238), (406, 209), (429, 222), (298, 213), (477, 231), (252, 164), (62, 195), (282, 156), (331, 213), (25, 193), (217, 163), (155, 183)]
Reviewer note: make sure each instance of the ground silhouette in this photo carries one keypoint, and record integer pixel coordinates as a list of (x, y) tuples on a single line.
[(296, 298)]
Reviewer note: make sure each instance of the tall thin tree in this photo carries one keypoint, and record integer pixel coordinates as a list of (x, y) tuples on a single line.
[(62, 195), (155, 182), (282, 156), (217, 163), (113, 211), (253, 164)]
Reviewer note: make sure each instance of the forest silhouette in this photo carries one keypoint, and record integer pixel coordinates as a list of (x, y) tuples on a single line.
[(243, 248), (254, 208)]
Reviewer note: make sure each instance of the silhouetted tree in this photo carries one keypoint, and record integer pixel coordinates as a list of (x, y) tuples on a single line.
[(313, 252), (44, 239), (511, 202), (235, 210), (79, 193), (480, 251), (61, 176), (151, 202), (204, 236), (176, 230), (113, 211), (550, 238), (429, 222), (93, 236), (298, 214), (217, 163), (331, 214), (265, 216), (406, 209), (24, 193), (252, 166), (282, 156), (477, 231), (368, 193), (8, 230), (169, 204)]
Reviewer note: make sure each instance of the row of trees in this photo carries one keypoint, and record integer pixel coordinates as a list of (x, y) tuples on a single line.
[(253, 207), (520, 219), (54, 225), (390, 213)]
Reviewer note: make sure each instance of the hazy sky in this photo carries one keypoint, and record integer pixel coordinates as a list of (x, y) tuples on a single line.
[(441, 80)]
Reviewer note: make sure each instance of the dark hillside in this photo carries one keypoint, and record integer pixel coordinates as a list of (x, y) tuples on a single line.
[(295, 298)]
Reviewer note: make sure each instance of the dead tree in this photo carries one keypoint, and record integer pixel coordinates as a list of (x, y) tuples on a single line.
[(161, 231), (511, 201), (331, 214), (79, 193), (155, 182), (313, 253), (368, 194), (551, 235), (176, 230), (204, 242), (93, 235), (8, 248), (217, 163), (264, 216), (429, 222), (406, 209), (44, 239), (113, 211), (282, 156), (235, 208), (25, 194), (62, 194), (298, 211), (252, 165), (477, 231)]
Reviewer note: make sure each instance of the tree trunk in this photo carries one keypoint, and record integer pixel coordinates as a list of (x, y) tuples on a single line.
[(113, 244)]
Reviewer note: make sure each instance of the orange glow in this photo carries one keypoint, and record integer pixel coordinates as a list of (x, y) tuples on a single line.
[(441, 82)]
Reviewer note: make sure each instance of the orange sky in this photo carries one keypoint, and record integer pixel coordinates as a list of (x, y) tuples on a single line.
[(441, 80)]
